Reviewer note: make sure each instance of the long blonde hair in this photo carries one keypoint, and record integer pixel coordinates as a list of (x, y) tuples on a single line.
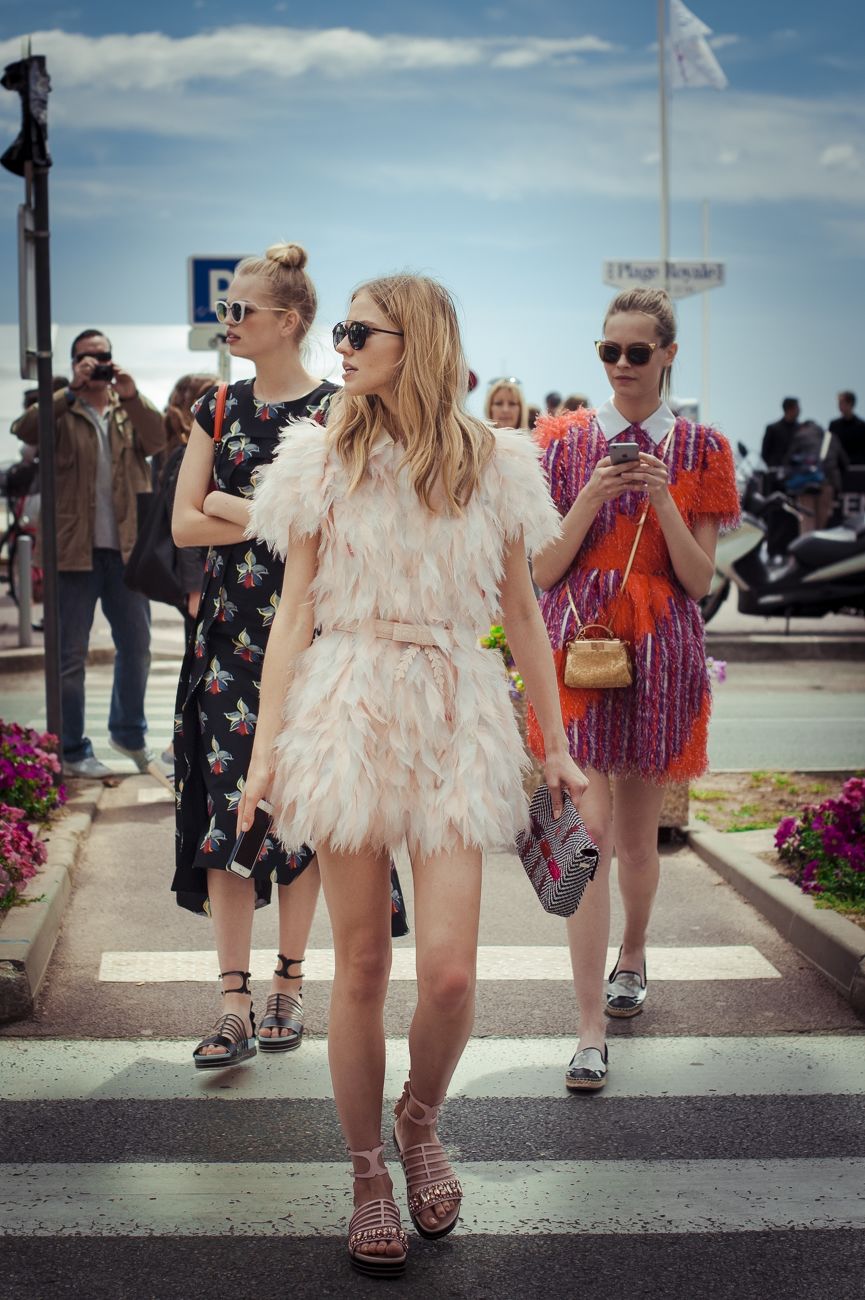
[(512, 387), (445, 447)]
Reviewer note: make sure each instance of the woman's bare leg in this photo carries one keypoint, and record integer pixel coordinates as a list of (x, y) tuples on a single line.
[(232, 903), (447, 894), (296, 909), (636, 807), (357, 892), (589, 927)]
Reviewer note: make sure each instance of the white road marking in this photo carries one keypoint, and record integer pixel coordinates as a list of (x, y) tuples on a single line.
[(162, 1070), (544, 962), (252, 1200)]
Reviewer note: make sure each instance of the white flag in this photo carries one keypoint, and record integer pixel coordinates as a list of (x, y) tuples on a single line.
[(693, 62)]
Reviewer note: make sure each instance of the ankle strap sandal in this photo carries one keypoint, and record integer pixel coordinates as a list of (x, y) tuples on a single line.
[(430, 1179), (375, 1223), (282, 1011), (229, 1033)]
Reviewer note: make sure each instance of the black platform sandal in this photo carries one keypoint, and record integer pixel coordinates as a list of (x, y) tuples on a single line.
[(229, 1032), (282, 1011)]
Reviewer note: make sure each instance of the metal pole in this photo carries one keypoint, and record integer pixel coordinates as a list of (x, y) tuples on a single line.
[(224, 360), (664, 149), (24, 588), (704, 395), (37, 186)]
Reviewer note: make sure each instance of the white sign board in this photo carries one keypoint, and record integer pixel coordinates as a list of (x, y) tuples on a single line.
[(683, 278)]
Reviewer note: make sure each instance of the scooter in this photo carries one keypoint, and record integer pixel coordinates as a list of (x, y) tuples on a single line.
[(823, 571)]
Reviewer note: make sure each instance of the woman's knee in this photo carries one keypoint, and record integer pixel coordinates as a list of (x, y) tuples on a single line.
[(637, 853), (363, 972), (446, 983)]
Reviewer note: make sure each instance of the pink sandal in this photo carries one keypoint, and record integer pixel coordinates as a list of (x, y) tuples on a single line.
[(430, 1180), (374, 1222)]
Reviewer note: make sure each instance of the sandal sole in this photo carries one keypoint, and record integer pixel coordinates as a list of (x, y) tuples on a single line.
[(280, 1044), (619, 1013), (387, 1268), (218, 1063), (589, 1085)]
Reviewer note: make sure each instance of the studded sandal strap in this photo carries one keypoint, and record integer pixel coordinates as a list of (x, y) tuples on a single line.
[(375, 1221), (283, 964), (245, 977)]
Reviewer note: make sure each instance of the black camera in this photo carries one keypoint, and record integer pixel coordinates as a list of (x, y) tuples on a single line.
[(101, 372)]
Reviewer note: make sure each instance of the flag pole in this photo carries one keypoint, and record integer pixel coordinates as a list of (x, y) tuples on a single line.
[(664, 150), (704, 395)]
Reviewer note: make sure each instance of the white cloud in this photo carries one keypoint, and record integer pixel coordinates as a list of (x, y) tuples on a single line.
[(722, 41), (842, 157)]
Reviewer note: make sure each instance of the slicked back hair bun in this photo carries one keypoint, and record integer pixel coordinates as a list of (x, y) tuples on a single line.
[(289, 286)]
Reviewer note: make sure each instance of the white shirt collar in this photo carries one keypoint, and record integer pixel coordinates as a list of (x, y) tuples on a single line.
[(612, 422)]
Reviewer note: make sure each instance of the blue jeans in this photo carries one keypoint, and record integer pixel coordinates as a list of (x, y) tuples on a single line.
[(128, 615)]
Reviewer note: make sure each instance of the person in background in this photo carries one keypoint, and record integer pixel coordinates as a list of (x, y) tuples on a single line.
[(104, 432), (630, 740), (781, 528), (553, 401), (505, 407), (190, 559), (813, 470), (268, 311), (778, 436), (849, 429), (532, 416), (575, 402)]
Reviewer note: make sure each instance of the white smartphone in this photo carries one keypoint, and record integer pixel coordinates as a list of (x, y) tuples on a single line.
[(248, 845), (622, 453)]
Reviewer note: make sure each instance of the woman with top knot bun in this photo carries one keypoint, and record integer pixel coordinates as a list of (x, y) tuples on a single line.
[(267, 312), (607, 469)]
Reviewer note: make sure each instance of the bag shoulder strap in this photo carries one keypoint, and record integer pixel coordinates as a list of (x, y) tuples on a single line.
[(221, 395), (629, 565), (826, 444)]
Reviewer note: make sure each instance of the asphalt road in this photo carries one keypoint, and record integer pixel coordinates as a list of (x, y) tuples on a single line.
[(725, 1158)]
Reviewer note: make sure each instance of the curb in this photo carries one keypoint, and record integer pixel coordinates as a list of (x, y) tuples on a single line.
[(28, 934), (831, 943), (767, 648)]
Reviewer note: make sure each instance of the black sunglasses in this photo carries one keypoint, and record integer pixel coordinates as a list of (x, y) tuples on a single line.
[(357, 333), (638, 354), (103, 357)]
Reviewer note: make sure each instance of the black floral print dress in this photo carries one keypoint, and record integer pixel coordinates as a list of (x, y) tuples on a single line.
[(218, 692)]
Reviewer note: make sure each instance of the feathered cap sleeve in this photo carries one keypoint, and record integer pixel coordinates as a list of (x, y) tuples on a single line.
[(523, 499), (716, 491), (289, 498)]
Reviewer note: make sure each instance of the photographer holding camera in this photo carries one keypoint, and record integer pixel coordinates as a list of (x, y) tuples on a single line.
[(104, 431)]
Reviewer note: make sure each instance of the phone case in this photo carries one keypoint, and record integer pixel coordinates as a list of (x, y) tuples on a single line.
[(248, 845)]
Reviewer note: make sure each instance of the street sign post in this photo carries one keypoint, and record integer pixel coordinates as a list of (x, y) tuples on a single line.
[(209, 278), (682, 278)]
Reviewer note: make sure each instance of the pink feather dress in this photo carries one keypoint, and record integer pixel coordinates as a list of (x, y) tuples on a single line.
[(382, 739)]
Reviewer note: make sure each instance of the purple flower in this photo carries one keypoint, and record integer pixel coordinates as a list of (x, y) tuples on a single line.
[(784, 831)]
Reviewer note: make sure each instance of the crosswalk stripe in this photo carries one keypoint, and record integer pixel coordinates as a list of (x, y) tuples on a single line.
[(496, 1068), (257, 1199), (543, 962)]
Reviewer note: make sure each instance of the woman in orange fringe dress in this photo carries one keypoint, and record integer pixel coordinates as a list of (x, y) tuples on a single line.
[(653, 732)]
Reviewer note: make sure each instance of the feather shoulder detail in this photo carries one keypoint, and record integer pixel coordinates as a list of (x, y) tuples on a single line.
[(290, 492), (550, 428), (523, 501)]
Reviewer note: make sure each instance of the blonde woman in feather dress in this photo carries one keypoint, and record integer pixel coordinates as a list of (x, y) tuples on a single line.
[(405, 526)]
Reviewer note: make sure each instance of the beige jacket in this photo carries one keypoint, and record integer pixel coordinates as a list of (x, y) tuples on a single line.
[(136, 430)]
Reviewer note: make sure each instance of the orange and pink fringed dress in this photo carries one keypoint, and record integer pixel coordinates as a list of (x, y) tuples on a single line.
[(656, 728)]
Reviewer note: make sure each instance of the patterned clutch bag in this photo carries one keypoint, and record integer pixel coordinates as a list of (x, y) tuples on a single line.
[(558, 856)]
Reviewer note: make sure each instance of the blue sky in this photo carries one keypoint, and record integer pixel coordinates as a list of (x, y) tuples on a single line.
[(508, 148)]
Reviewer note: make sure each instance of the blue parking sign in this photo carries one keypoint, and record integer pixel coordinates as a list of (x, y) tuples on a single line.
[(209, 278)]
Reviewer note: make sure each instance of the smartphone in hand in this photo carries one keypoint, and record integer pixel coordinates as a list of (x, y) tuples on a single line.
[(622, 453), (248, 845)]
